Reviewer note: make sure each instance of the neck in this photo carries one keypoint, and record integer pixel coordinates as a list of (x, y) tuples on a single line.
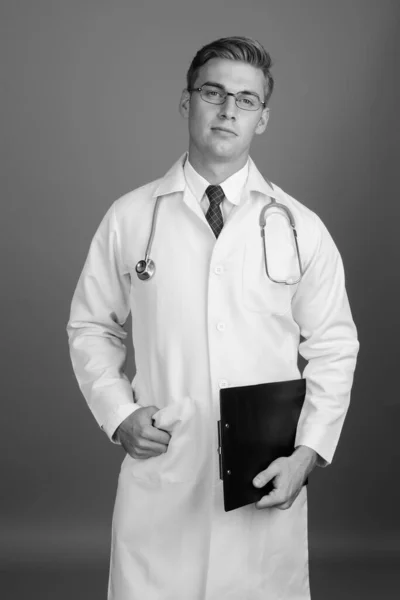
[(215, 172)]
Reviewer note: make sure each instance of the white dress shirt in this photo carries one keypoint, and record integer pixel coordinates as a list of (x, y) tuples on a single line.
[(232, 188)]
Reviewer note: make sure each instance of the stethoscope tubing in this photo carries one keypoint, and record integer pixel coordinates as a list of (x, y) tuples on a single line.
[(153, 228), (262, 222), (145, 268)]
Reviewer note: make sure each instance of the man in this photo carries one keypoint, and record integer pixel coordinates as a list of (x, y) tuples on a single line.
[(209, 317)]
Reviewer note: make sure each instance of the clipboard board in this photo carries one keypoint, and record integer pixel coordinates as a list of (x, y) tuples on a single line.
[(258, 425)]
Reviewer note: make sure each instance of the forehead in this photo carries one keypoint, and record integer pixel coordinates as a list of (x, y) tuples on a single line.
[(234, 75)]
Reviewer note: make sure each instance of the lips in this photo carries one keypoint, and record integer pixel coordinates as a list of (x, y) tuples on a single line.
[(224, 130)]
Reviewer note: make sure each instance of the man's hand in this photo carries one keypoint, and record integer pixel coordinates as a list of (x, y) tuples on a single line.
[(139, 438), (288, 476)]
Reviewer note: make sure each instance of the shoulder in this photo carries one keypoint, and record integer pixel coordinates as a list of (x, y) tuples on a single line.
[(312, 233), (294, 205), (135, 200), (305, 217)]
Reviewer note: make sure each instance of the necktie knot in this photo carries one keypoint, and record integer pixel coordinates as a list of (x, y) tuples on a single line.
[(215, 194)]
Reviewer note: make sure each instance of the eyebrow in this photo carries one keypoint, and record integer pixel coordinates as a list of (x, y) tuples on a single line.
[(222, 87)]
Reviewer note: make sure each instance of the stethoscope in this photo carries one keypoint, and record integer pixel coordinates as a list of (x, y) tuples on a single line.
[(263, 220), (146, 268)]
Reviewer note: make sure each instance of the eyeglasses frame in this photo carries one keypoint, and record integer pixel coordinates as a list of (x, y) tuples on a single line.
[(226, 94)]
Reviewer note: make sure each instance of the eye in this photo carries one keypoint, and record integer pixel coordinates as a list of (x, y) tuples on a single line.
[(248, 101), (212, 93)]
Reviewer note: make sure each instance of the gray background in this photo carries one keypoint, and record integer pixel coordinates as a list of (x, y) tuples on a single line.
[(90, 92)]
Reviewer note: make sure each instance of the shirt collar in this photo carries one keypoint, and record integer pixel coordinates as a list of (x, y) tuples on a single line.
[(174, 180), (232, 186)]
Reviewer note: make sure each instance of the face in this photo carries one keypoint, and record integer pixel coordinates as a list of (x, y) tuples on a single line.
[(223, 133)]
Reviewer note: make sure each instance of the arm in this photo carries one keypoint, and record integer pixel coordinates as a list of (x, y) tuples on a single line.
[(321, 309), (99, 309), (329, 344)]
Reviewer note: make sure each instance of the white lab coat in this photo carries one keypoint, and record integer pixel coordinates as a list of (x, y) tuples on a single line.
[(209, 318)]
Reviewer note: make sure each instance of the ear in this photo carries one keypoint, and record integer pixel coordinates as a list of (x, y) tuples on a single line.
[(184, 104), (262, 123)]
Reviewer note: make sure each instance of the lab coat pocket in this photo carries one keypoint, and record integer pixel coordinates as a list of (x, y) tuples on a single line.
[(260, 294), (178, 464)]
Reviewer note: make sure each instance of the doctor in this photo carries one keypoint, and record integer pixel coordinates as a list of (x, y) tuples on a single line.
[(209, 317)]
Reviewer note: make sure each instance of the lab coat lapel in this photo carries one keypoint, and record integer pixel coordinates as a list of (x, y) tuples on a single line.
[(174, 182), (194, 206)]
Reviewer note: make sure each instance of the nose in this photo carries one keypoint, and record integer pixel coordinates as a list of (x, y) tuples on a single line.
[(228, 109)]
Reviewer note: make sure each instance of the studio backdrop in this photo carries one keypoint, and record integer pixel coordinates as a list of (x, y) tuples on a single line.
[(90, 93)]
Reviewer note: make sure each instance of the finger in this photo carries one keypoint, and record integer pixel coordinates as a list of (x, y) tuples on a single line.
[(274, 499), (285, 505), (279, 498), (290, 500), (149, 411), (140, 445), (145, 454), (156, 435), (150, 446), (262, 478), (142, 454)]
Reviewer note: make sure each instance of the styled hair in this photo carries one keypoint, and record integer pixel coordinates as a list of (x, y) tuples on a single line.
[(234, 48)]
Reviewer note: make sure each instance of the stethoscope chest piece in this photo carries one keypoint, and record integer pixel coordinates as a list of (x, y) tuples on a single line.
[(145, 269)]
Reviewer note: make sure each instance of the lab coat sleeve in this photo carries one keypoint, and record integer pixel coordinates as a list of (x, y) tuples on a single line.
[(100, 307), (329, 343)]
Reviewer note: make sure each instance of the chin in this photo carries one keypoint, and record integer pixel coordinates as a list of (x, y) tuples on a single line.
[(224, 152)]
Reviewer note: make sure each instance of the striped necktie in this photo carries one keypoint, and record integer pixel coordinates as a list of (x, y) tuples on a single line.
[(214, 215)]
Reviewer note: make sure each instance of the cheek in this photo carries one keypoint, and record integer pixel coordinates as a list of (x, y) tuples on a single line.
[(248, 129), (202, 115), (199, 128), (197, 121), (195, 129)]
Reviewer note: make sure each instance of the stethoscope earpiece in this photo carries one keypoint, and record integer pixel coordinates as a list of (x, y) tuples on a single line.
[(145, 269)]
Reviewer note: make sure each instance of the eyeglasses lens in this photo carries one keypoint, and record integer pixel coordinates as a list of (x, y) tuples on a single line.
[(217, 96)]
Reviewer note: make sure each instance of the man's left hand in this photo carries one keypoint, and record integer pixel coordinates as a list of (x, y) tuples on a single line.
[(288, 475)]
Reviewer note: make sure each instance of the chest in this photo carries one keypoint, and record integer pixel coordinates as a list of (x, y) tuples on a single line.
[(192, 268)]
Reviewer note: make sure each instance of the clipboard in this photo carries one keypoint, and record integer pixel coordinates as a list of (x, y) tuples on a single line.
[(258, 425)]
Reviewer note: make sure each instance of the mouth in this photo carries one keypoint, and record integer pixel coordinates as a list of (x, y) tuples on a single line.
[(224, 130)]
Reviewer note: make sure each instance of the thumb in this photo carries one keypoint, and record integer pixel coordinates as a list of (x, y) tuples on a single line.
[(265, 476), (148, 412)]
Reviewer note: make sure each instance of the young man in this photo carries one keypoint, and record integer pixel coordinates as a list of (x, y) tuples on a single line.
[(210, 317)]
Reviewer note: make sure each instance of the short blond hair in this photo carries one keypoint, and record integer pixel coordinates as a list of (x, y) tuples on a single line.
[(234, 48)]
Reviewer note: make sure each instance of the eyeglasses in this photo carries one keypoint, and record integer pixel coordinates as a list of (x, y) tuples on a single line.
[(216, 95)]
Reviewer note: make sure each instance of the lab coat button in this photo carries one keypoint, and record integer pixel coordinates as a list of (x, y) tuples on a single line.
[(221, 326), (223, 383), (218, 270)]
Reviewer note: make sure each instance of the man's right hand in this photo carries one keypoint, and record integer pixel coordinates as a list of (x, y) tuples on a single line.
[(139, 438)]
